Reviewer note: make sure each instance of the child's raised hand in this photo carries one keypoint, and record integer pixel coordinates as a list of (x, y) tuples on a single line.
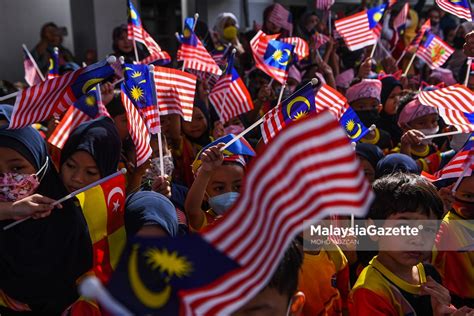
[(440, 298), (36, 206), (412, 137), (162, 185), (212, 158)]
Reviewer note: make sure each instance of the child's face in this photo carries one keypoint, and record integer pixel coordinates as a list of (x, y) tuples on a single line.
[(424, 122), (226, 178), (402, 245), (465, 193), (390, 106), (121, 122), (13, 162), (369, 171), (79, 170), (197, 126), (365, 104)]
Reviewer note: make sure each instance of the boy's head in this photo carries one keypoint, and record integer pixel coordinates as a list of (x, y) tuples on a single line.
[(463, 203), (403, 199), (280, 297), (227, 177)]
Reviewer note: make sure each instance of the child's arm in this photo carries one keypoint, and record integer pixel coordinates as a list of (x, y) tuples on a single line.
[(211, 158), (36, 206), (410, 138)]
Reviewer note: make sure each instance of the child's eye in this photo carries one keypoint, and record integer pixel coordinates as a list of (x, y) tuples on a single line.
[(92, 173), (218, 189), (18, 169)]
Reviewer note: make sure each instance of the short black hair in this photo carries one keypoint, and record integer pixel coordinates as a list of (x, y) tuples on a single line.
[(285, 278), (45, 26), (404, 193)]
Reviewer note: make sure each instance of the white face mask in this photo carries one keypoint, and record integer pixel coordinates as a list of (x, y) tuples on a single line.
[(458, 141)]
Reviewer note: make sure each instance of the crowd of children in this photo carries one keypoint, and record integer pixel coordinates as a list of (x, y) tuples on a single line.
[(41, 259)]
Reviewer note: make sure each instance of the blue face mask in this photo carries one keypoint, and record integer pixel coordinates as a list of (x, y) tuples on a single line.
[(221, 203)]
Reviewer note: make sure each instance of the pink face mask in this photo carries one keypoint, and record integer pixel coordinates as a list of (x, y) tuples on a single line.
[(16, 186), (233, 129)]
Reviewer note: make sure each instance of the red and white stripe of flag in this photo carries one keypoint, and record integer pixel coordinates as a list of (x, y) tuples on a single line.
[(401, 17), (457, 10), (330, 99), (320, 39), (456, 167), (135, 32), (355, 31), (198, 58), (137, 130), (154, 49), (230, 98), (301, 47), (273, 122), (275, 206), (40, 102), (432, 56), (175, 91), (455, 97), (259, 45), (31, 75), (324, 4)]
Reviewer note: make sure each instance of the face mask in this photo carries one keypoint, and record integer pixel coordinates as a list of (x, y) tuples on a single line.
[(463, 208), (16, 186), (368, 117), (230, 33), (233, 129), (221, 203), (458, 141)]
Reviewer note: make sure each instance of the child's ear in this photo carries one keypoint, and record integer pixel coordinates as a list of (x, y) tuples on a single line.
[(379, 107), (373, 237), (297, 303)]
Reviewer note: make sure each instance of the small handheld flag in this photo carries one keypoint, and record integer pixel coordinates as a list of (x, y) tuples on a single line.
[(433, 50), (53, 70), (33, 74), (460, 8)]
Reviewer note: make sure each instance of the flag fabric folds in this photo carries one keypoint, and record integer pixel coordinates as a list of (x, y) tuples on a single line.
[(32, 76), (282, 17), (400, 21), (299, 105), (301, 47), (193, 53), (324, 4), (216, 272), (88, 107), (139, 85), (459, 8), (433, 50), (229, 95), (54, 96), (134, 26), (271, 56), (53, 70), (455, 105), (175, 92)]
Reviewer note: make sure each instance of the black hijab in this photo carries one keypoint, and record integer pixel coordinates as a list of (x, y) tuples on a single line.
[(41, 259), (100, 139), (204, 139), (388, 122)]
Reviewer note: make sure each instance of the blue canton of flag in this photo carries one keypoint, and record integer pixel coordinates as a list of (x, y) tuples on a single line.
[(278, 55), (153, 273), (133, 17), (353, 126), (53, 70), (91, 76), (188, 36), (299, 105), (375, 15), (89, 103)]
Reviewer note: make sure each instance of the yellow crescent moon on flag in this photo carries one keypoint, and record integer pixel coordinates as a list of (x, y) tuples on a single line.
[(90, 82), (288, 54), (297, 99), (133, 14), (149, 298), (359, 131)]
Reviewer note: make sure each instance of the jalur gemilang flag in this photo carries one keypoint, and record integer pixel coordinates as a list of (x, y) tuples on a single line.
[(219, 270), (460, 8)]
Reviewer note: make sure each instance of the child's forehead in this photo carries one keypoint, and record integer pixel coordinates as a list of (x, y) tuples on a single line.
[(425, 118), (227, 172)]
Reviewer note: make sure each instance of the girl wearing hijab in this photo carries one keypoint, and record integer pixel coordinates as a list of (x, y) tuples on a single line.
[(389, 95), (41, 258), (226, 32)]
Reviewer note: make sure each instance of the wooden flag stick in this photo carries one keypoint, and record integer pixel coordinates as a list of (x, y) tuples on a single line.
[(409, 65), (34, 63), (373, 50), (401, 57), (73, 194), (313, 82), (468, 71), (281, 92), (442, 134), (160, 149), (135, 50)]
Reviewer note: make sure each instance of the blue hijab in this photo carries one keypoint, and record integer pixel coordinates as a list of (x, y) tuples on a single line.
[(395, 163)]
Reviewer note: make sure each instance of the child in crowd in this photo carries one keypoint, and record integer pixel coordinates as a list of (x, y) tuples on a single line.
[(396, 281)]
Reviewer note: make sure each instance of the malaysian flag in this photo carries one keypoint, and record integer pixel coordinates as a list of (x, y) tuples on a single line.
[(32, 74), (218, 271), (137, 129), (459, 8), (271, 56), (320, 39), (87, 108), (175, 91), (455, 105), (134, 27), (457, 165), (357, 30), (230, 96), (54, 96), (139, 85), (281, 17), (400, 21), (193, 53), (156, 54), (324, 4), (53, 70), (426, 27), (330, 99), (301, 47), (433, 50), (299, 105)]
